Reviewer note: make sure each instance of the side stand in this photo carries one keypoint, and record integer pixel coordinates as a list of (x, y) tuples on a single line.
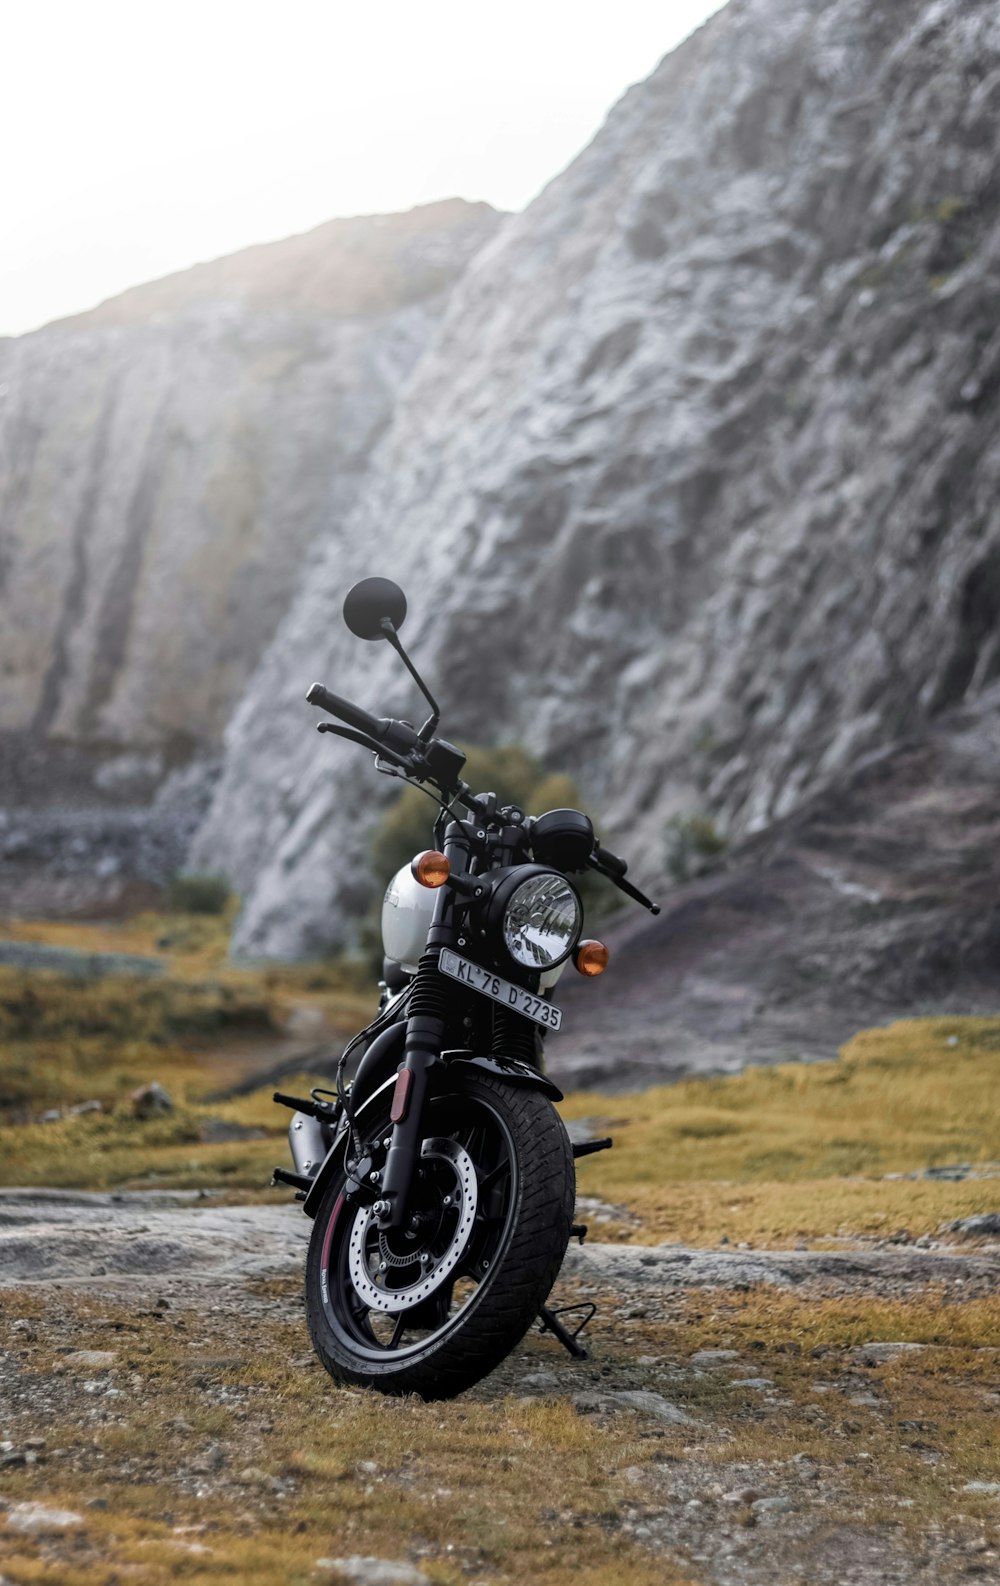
[(549, 1320), (550, 1323)]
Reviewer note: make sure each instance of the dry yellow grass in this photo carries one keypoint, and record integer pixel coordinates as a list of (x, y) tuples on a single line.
[(775, 1155), (493, 1488), (900, 1437), (800, 1151)]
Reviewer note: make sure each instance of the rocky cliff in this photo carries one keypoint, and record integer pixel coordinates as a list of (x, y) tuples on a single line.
[(877, 896), (694, 490), (166, 460)]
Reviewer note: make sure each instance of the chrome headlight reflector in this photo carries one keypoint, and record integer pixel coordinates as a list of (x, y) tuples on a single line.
[(542, 921)]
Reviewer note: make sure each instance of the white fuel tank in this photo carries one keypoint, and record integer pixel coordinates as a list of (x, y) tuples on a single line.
[(407, 911)]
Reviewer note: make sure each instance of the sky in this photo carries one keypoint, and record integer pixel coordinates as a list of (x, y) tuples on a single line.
[(140, 139)]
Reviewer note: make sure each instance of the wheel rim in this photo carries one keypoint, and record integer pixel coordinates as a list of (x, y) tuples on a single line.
[(382, 1301)]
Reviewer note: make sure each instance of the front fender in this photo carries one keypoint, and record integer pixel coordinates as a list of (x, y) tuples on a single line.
[(507, 1068)]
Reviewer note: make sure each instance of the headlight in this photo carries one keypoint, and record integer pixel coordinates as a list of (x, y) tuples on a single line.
[(542, 921)]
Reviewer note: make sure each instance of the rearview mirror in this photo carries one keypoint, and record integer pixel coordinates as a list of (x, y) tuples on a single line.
[(369, 602)]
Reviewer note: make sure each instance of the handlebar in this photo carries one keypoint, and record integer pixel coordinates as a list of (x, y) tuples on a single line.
[(354, 715), (609, 862), (398, 738), (439, 762), (609, 865)]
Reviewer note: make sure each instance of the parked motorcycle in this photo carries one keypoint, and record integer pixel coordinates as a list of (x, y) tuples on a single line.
[(441, 1180)]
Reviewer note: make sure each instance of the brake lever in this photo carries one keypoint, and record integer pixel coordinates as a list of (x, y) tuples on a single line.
[(409, 767), (624, 886)]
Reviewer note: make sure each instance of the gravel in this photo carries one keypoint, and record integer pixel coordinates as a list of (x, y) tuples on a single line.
[(375, 1571)]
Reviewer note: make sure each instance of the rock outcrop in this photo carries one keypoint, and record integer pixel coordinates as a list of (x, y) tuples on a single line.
[(167, 459), (694, 491), (877, 896)]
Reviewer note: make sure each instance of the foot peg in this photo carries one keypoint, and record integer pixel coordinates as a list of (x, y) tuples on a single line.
[(588, 1147), (295, 1181), (550, 1323)]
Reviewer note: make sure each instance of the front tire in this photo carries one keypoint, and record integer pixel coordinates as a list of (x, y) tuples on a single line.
[(493, 1214)]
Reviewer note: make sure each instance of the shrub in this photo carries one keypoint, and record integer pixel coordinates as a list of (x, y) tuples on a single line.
[(693, 843), (198, 895), (406, 827)]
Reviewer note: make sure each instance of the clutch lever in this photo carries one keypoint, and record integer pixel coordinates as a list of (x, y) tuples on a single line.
[(352, 733), (386, 759), (362, 738)]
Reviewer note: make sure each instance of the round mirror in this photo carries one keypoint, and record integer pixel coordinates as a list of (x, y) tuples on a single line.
[(371, 600)]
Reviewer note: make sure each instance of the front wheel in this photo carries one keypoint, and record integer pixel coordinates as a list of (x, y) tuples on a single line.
[(433, 1307)]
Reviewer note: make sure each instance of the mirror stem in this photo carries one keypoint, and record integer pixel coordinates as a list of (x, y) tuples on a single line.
[(390, 633)]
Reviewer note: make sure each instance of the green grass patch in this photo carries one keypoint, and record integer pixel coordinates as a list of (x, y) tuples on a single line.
[(199, 1030)]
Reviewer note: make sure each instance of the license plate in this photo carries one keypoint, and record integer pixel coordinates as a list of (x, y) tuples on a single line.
[(500, 990)]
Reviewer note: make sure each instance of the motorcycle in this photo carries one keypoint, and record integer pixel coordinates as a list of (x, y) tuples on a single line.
[(441, 1180)]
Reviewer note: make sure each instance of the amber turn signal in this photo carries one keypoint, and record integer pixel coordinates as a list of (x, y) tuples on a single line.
[(591, 958), (431, 869)]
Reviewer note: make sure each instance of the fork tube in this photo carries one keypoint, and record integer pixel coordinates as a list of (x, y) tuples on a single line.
[(425, 1040)]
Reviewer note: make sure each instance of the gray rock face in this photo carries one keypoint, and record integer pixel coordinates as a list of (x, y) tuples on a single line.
[(877, 897), (665, 1267), (694, 491), (166, 460)]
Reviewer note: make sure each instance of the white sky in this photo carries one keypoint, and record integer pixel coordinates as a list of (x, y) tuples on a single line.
[(137, 139)]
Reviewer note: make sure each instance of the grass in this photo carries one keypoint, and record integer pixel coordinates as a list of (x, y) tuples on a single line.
[(227, 1457), (782, 1156), (242, 1453), (802, 1151), (916, 1427), (198, 1030)]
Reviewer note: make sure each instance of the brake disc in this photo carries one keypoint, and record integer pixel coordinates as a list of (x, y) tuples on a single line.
[(364, 1251)]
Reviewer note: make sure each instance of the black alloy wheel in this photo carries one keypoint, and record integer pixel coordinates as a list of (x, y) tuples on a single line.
[(434, 1306)]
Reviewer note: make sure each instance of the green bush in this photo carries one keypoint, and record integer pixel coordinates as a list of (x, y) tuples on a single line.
[(693, 843), (407, 825), (198, 895)]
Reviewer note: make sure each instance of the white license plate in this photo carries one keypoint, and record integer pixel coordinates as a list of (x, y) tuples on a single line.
[(500, 990)]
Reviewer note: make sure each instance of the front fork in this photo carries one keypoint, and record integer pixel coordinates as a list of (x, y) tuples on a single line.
[(425, 1040)]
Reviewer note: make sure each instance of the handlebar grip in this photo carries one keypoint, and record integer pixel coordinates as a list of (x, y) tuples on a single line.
[(354, 715), (611, 862)]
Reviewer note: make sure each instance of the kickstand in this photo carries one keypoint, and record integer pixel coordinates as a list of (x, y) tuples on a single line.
[(550, 1323)]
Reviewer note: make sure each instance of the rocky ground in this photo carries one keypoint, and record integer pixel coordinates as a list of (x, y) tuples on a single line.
[(744, 1416)]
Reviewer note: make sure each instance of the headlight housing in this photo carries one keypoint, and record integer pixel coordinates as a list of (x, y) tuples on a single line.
[(541, 922)]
